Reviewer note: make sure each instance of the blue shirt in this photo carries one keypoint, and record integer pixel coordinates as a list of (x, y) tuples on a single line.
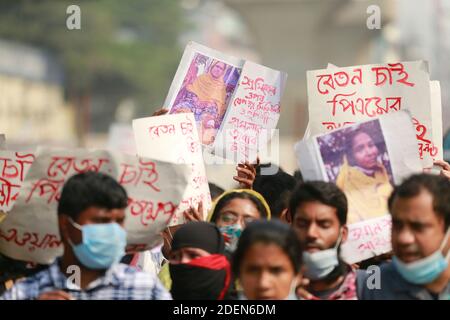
[(120, 282), (394, 287)]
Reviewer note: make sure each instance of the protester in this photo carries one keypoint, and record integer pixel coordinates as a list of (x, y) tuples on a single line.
[(12, 270), (267, 261), (231, 212), (420, 209), (234, 210), (246, 175), (198, 267), (276, 190), (91, 213), (374, 261), (318, 211)]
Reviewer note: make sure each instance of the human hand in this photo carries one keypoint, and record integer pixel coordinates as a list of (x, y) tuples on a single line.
[(194, 214), (246, 174), (445, 167), (160, 112)]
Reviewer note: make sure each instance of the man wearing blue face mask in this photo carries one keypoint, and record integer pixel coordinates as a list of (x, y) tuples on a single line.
[(318, 214), (420, 209), (91, 213)]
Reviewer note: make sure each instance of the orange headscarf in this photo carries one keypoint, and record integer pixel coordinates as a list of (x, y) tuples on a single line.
[(209, 89)]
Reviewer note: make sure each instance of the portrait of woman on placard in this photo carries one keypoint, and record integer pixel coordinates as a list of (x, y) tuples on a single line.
[(206, 90), (363, 171)]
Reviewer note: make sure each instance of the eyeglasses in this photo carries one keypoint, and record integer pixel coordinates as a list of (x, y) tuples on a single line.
[(230, 218)]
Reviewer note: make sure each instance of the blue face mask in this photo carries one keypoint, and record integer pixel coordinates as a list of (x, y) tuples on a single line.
[(103, 244), (231, 234), (425, 270)]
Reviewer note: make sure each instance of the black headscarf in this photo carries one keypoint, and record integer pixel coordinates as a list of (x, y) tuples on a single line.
[(202, 235), (204, 278)]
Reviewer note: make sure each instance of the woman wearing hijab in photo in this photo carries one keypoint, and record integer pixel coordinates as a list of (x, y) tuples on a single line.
[(210, 88), (197, 264), (363, 178), (267, 261), (206, 97)]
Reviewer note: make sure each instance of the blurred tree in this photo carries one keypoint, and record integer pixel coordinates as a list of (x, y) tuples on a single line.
[(124, 48)]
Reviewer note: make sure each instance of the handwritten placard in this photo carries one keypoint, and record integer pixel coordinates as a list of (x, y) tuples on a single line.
[(339, 97), (254, 113), (13, 169), (174, 138), (235, 103), (30, 231), (367, 239), (365, 160)]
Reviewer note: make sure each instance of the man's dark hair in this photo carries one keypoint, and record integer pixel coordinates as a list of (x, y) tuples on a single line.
[(215, 190), (276, 189), (273, 168), (298, 176), (268, 232), (437, 186), (91, 189), (323, 192)]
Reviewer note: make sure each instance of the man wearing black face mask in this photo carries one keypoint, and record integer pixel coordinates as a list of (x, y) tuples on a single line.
[(318, 214), (197, 264), (91, 213)]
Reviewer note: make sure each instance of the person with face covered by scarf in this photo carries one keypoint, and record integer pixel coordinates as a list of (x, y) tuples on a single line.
[(198, 267), (231, 212)]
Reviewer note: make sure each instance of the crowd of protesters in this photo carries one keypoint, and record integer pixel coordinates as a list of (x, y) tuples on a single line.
[(276, 237)]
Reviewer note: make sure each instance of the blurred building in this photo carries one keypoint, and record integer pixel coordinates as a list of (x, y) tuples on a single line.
[(300, 35), (32, 105), (423, 32)]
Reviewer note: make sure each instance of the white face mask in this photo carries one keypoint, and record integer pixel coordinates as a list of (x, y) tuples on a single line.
[(320, 264)]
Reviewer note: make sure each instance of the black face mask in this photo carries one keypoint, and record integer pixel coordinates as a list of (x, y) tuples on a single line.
[(196, 283)]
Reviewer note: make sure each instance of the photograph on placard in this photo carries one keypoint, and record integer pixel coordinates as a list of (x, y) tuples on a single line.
[(357, 160), (203, 85)]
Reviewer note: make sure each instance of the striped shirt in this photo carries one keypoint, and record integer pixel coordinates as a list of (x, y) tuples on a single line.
[(120, 282)]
